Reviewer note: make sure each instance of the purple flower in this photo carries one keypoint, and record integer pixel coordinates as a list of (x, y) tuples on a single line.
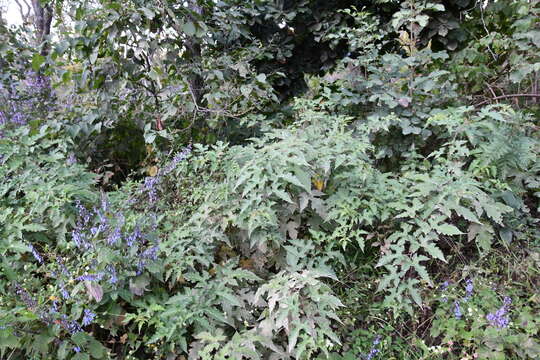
[(500, 318), (134, 236), (64, 292), (80, 239), (457, 310), (154, 222), (71, 159), (90, 277), (150, 183), (54, 306), (150, 253), (104, 202), (114, 237), (88, 317), (84, 214), (101, 227), (140, 267), (469, 287), (18, 119), (373, 351), (36, 254), (443, 288), (72, 326), (445, 285), (112, 274), (25, 296), (177, 158), (77, 349)]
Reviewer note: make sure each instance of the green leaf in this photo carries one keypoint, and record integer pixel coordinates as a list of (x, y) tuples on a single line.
[(434, 251), (415, 295), (294, 180), (37, 61), (466, 214), (232, 300), (97, 351), (80, 338), (81, 356), (189, 28), (283, 195), (147, 12), (34, 227), (447, 229)]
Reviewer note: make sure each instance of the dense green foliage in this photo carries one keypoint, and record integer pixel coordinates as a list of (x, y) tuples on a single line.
[(271, 180)]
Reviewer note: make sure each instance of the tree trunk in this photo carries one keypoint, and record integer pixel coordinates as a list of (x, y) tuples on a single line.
[(42, 21), (196, 82)]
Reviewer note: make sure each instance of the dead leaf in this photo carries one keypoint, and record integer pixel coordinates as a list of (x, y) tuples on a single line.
[(95, 291)]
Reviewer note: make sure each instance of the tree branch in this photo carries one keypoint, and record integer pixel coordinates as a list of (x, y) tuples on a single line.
[(507, 96)]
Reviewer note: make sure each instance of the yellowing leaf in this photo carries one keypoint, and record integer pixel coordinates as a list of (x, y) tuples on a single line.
[(153, 170), (319, 184)]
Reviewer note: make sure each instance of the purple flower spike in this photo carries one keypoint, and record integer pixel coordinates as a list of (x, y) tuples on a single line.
[(114, 237), (90, 277), (445, 285), (500, 318), (457, 310), (373, 351), (469, 287), (36, 254), (134, 236), (112, 274), (64, 292), (88, 317)]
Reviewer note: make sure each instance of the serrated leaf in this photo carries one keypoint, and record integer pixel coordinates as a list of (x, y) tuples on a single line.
[(293, 180), (230, 298), (448, 229), (415, 295), (421, 270), (283, 195), (466, 214), (434, 251), (303, 201)]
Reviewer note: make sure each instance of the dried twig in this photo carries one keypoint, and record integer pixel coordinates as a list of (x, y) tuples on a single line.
[(506, 97)]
